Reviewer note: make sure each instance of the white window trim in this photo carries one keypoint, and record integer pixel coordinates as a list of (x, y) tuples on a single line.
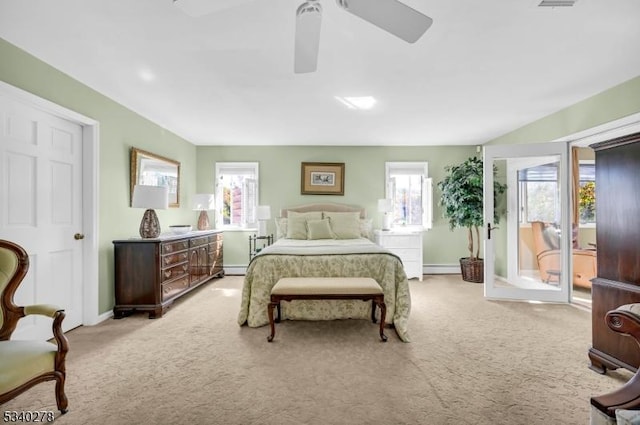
[(427, 193), (227, 165)]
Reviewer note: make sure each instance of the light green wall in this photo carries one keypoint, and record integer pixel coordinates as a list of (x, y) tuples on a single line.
[(120, 128), (364, 185), (617, 102)]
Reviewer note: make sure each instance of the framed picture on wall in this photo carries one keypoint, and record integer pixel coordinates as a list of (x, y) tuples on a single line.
[(322, 178)]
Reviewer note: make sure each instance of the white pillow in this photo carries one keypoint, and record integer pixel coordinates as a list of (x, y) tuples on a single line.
[(319, 229), (346, 225), (366, 228), (281, 227), (297, 223), (296, 228)]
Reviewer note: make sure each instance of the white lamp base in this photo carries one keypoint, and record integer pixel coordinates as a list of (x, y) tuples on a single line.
[(386, 221), (262, 228)]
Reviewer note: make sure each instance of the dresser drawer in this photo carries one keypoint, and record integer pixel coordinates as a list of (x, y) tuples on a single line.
[(174, 272), (407, 254), (171, 247), (397, 241), (215, 256), (216, 245), (169, 260), (173, 288), (198, 241)]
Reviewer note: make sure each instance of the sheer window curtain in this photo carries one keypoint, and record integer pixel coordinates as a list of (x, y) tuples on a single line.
[(575, 196)]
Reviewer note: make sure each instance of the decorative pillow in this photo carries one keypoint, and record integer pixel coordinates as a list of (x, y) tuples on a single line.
[(346, 225), (297, 223), (281, 227), (366, 228), (296, 228), (319, 229)]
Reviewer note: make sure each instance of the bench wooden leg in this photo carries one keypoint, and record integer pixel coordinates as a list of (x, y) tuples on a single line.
[(272, 304), (373, 311), (383, 316)]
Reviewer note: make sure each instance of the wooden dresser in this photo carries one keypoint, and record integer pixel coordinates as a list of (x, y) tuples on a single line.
[(618, 249), (151, 273)]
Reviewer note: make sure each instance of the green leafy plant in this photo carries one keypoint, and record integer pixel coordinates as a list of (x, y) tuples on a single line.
[(462, 199), (587, 201)]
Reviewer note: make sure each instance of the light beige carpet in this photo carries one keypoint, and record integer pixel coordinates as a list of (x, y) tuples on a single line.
[(471, 361)]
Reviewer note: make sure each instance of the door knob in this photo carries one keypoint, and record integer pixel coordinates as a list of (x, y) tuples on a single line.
[(78, 236), (489, 229)]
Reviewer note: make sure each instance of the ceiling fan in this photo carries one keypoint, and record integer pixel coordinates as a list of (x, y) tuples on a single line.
[(390, 15)]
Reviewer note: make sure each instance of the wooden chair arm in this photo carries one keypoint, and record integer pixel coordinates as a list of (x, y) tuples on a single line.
[(624, 322), (628, 396), (48, 310), (58, 315)]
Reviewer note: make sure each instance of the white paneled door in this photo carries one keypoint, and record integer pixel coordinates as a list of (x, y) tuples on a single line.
[(536, 176), (41, 209)]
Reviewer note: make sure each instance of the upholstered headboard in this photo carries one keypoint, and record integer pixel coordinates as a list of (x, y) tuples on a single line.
[(325, 206)]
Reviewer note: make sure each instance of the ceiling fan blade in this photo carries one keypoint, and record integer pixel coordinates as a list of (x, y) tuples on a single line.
[(391, 15), (308, 19)]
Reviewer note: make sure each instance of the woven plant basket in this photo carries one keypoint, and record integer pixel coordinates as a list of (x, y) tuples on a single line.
[(472, 269)]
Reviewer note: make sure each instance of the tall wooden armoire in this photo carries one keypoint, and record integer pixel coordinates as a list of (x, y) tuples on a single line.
[(618, 249)]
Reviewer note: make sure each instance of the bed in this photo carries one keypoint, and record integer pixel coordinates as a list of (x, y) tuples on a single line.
[(306, 248)]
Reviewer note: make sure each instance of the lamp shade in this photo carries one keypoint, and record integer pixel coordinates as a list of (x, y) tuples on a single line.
[(203, 201), (150, 197), (385, 205), (264, 212)]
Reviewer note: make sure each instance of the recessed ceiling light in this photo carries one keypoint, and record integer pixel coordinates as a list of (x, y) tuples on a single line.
[(146, 75), (362, 102)]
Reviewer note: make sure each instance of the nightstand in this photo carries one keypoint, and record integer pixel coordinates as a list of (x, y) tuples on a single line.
[(405, 244), (258, 243)]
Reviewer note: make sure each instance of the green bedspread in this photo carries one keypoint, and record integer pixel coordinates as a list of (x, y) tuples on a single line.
[(325, 258)]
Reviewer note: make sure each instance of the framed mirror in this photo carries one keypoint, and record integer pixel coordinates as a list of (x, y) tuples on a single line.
[(154, 170)]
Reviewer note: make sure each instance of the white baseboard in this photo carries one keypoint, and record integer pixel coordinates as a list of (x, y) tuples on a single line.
[(441, 269), (100, 318), (235, 270)]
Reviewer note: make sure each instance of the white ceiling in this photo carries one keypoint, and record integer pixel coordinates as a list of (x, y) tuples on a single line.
[(483, 69)]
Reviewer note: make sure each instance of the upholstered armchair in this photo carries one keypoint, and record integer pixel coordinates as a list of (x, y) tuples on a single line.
[(623, 405), (546, 243), (26, 363)]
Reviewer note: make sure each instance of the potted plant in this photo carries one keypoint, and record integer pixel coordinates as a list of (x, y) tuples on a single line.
[(462, 204)]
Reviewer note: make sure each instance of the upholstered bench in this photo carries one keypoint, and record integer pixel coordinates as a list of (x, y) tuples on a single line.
[(327, 288)]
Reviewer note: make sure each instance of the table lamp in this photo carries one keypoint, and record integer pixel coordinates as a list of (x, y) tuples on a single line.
[(385, 206), (203, 202), (152, 198), (263, 214)]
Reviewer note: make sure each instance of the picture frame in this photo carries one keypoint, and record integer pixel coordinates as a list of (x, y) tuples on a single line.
[(322, 178), (150, 169)]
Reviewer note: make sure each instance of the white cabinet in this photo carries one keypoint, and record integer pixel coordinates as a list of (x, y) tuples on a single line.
[(405, 244)]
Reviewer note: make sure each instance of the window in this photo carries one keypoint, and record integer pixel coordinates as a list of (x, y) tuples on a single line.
[(540, 195), (236, 194), (587, 193), (408, 185)]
